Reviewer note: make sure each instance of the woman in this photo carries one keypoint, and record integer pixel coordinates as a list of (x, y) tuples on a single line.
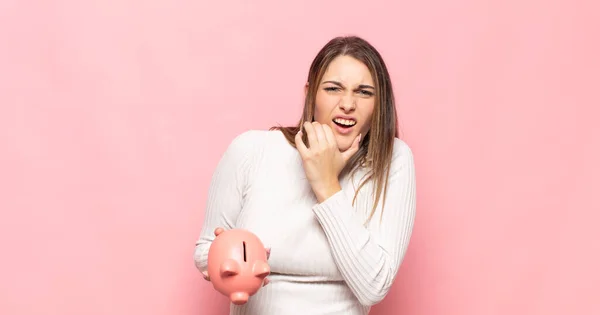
[(333, 197)]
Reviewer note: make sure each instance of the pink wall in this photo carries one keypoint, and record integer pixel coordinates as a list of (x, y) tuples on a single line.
[(114, 113)]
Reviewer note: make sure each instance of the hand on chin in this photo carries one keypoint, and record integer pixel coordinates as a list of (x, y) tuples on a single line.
[(344, 142), (322, 158)]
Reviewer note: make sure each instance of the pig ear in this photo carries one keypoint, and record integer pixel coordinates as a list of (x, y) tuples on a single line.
[(218, 231), (261, 269), (229, 268)]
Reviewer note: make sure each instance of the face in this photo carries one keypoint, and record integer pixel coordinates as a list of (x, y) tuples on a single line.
[(345, 99)]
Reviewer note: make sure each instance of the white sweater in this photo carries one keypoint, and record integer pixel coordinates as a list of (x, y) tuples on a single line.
[(324, 259)]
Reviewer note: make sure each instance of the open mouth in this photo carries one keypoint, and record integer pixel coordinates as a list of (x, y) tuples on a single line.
[(344, 123)]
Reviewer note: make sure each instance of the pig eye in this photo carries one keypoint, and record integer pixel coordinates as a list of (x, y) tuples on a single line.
[(244, 245)]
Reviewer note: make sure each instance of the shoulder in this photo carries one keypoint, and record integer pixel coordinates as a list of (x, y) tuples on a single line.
[(256, 137), (253, 142), (402, 156), (248, 149), (248, 138)]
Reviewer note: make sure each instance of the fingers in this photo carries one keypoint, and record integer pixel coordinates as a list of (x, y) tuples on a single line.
[(311, 135), (268, 249), (320, 135), (329, 136), (300, 144), (205, 275), (353, 148), (218, 231)]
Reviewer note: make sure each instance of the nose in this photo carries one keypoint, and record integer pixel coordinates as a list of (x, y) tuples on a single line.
[(347, 103)]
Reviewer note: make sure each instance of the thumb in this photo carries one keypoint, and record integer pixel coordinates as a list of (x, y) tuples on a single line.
[(353, 148)]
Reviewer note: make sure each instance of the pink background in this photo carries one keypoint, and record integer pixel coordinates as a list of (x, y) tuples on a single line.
[(114, 113)]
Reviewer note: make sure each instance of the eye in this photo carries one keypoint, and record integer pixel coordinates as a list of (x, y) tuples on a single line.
[(366, 92), (332, 89)]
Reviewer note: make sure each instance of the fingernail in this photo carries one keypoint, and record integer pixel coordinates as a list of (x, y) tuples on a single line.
[(359, 136)]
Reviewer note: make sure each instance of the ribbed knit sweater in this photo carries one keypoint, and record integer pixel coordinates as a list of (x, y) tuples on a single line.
[(324, 258)]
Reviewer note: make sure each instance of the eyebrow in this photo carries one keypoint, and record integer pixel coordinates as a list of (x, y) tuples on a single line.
[(362, 86)]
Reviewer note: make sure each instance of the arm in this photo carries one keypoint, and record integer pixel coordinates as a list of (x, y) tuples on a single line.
[(225, 194), (369, 257)]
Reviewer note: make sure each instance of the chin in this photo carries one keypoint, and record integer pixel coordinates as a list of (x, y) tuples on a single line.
[(343, 143)]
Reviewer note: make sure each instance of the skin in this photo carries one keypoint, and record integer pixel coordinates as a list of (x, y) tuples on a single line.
[(347, 89)]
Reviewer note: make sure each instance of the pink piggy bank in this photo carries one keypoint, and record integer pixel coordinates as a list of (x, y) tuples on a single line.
[(237, 264)]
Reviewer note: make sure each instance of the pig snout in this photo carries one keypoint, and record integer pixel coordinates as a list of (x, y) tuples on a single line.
[(239, 298), (261, 269), (229, 268)]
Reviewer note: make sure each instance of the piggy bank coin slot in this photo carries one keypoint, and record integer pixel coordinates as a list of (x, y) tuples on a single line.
[(244, 245)]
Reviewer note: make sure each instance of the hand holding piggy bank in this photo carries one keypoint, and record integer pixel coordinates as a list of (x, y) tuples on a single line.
[(237, 264)]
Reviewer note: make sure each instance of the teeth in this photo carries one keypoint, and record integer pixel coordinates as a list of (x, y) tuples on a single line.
[(345, 122)]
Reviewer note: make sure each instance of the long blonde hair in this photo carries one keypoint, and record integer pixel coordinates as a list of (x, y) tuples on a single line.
[(376, 147)]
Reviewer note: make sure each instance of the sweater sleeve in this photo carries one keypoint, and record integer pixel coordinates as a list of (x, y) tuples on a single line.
[(369, 257), (226, 193)]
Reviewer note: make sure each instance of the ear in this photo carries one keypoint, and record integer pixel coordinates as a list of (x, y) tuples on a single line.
[(305, 89), (261, 269), (229, 268)]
